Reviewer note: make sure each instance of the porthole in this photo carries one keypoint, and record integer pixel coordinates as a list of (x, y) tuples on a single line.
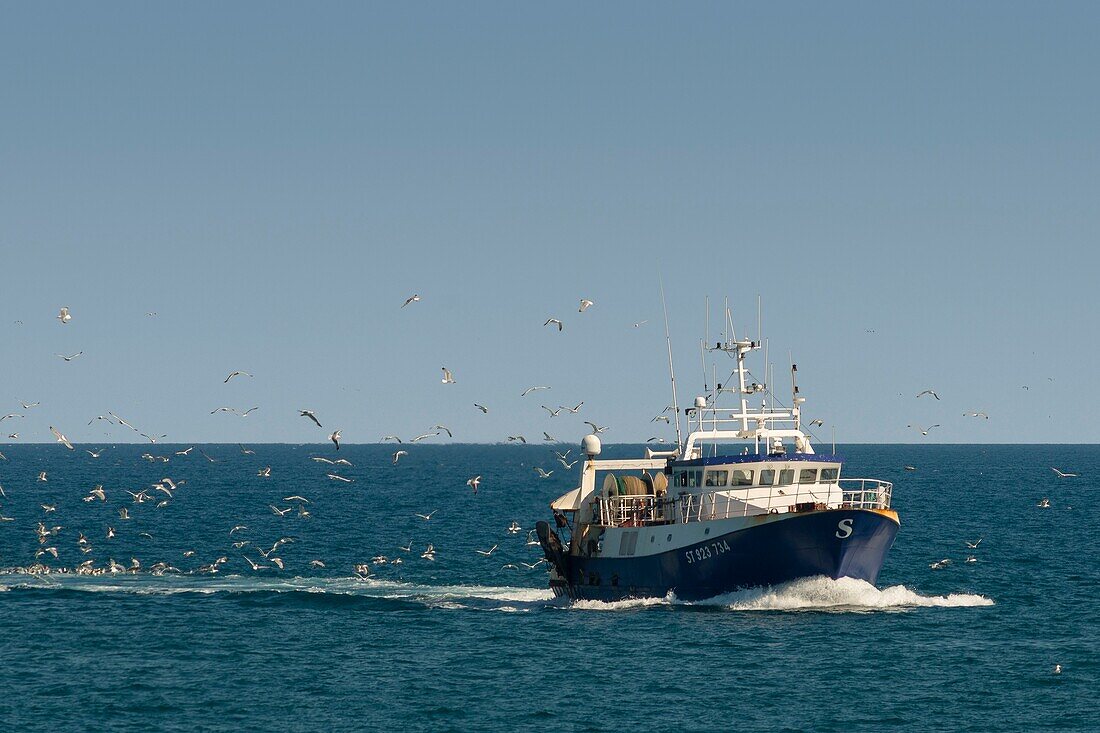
[(652, 538), (670, 538), (706, 531)]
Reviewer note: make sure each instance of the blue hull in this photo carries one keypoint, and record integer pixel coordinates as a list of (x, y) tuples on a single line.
[(836, 543)]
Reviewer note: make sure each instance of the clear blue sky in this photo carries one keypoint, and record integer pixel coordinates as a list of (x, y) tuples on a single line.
[(273, 181)]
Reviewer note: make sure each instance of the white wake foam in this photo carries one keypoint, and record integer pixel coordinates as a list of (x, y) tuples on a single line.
[(843, 594)]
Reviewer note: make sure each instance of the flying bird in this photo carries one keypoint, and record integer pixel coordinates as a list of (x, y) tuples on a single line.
[(415, 298), (70, 358), (61, 438), (1062, 474), (975, 414), (929, 391), (923, 431), (236, 374), (818, 423), (95, 454), (27, 406), (488, 552), (474, 482), (639, 324), (515, 438), (553, 320), (574, 410), (64, 316), (483, 408), (529, 390), (448, 378), (335, 438), (338, 477), (444, 428), (310, 415), (553, 413), (419, 438), (596, 429), (548, 438), (973, 545), (542, 472), (585, 304), (397, 456), (427, 516)]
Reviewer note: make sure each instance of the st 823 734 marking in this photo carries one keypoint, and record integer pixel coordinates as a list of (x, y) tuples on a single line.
[(706, 552)]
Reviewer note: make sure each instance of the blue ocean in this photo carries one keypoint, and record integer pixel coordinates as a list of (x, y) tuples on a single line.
[(472, 641)]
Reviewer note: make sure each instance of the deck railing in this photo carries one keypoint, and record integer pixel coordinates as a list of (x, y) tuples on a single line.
[(649, 509)]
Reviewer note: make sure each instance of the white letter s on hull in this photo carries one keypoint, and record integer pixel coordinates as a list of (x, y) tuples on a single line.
[(844, 529)]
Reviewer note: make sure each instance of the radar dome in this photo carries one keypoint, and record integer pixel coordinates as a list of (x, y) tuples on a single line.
[(590, 445)]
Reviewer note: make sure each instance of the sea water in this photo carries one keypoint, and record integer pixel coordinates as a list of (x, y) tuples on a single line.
[(465, 643)]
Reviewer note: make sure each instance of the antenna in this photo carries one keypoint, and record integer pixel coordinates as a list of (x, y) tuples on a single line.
[(759, 320), (671, 370)]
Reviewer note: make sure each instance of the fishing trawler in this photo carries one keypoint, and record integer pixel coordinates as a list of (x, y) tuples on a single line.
[(744, 501)]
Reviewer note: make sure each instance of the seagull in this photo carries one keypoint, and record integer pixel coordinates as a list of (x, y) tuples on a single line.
[(316, 564), (185, 452), (222, 409), (124, 513), (64, 316), (1044, 503), (929, 391), (448, 378), (296, 498), (923, 431), (121, 421), (42, 476), (341, 462), (973, 545), (155, 438), (659, 440), (542, 473), (639, 324), (1062, 474), (47, 508), (207, 456), (483, 408), (427, 516), (474, 482), (419, 438), (488, 552), (110, 532), (1057, 669), (553, 320), (532, 565), (563, 456), (335, 438), (514, 438), (61, 438), (397, 456), (975, 414), (415, 298), (574, 410), (338, 477), (5, 417), (596, 429), (970, 559), (246, 451), (101, 417), (429, 553), (585, 303), (444, 428), (264, 472), (239, 526), (70, 358), (310, 415), (236, 374), (531, 389), (406, 548), (548, 438), (321, 459), (245, 413), (910, 468), (509, 566), (818, 423), (27, 406), (660, 418), (553, 413), (940, 564), (280, 512), (95, 454), (567, 466), (514, 527)]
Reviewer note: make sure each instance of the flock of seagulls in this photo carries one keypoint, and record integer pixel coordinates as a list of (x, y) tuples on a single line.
[(251, 553)]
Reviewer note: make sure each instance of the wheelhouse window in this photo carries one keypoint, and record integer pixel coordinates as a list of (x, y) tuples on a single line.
[(786, 477), (742, 477), (767, 477), (829, 475), (717, 478), (807, 476), (682, 479)]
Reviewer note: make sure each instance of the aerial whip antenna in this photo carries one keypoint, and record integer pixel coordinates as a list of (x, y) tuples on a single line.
[(671, 370)]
